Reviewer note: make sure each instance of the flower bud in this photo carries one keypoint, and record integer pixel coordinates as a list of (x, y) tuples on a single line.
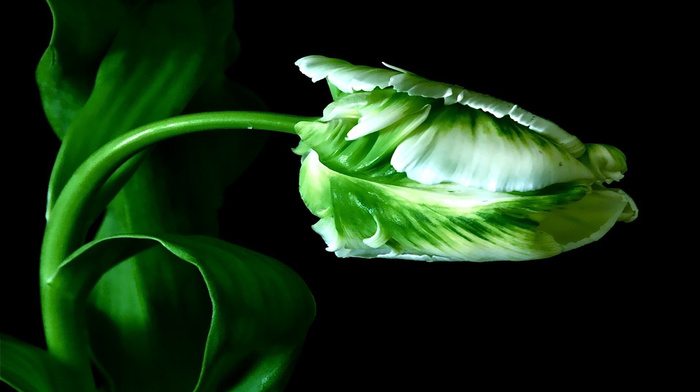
[(403, 167)]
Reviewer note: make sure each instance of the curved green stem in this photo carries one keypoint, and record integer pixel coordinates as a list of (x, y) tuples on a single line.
[(64, 323)]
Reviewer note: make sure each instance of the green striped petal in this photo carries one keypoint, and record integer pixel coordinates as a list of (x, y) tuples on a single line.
[(472, 148), (448, 222), (359, 133), (449, 134), (606, 162), (350, 78)]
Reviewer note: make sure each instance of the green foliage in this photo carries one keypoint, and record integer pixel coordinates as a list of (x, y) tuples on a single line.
[(27, 368), (224, 319), (260, 311), (137, 291), (148, 61)]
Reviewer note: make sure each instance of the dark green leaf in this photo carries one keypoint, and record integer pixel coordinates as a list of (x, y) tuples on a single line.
[(260, 313), (82, 33), (114, 65), (178, 188), (143, 65), (27, 368)]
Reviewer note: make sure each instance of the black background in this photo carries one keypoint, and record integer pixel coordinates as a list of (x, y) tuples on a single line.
[(599, 315)]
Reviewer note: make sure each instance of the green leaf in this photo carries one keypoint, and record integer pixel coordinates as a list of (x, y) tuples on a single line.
[(148, 64), (27, 368), (85, 30), (150, 60), (260, 313), (178, 187), (82, 32)]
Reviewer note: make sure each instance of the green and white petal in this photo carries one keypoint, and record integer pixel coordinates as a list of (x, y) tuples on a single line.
[(350, 78), (416, 86), (369, 155), (313, 182), (449, 222), (437, 143), (346, 77), (472, 148), (606, 162), (587, 220), (381, 114)]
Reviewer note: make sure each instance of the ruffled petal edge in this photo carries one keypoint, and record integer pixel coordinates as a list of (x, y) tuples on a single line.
[(350, 78)]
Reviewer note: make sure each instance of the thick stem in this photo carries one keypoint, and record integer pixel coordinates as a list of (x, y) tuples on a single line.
[(64, 319)]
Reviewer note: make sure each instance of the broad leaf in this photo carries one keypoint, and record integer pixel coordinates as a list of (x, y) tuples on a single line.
[(147, 61), (178, 188), (260, 312), (142, 61), (82, 32), (150, 60), (27, 368)]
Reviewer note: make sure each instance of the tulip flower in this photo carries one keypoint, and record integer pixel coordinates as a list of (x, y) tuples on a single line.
[(403, 167)]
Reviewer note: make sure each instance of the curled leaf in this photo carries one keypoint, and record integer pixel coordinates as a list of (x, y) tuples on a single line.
[(260, 310)]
